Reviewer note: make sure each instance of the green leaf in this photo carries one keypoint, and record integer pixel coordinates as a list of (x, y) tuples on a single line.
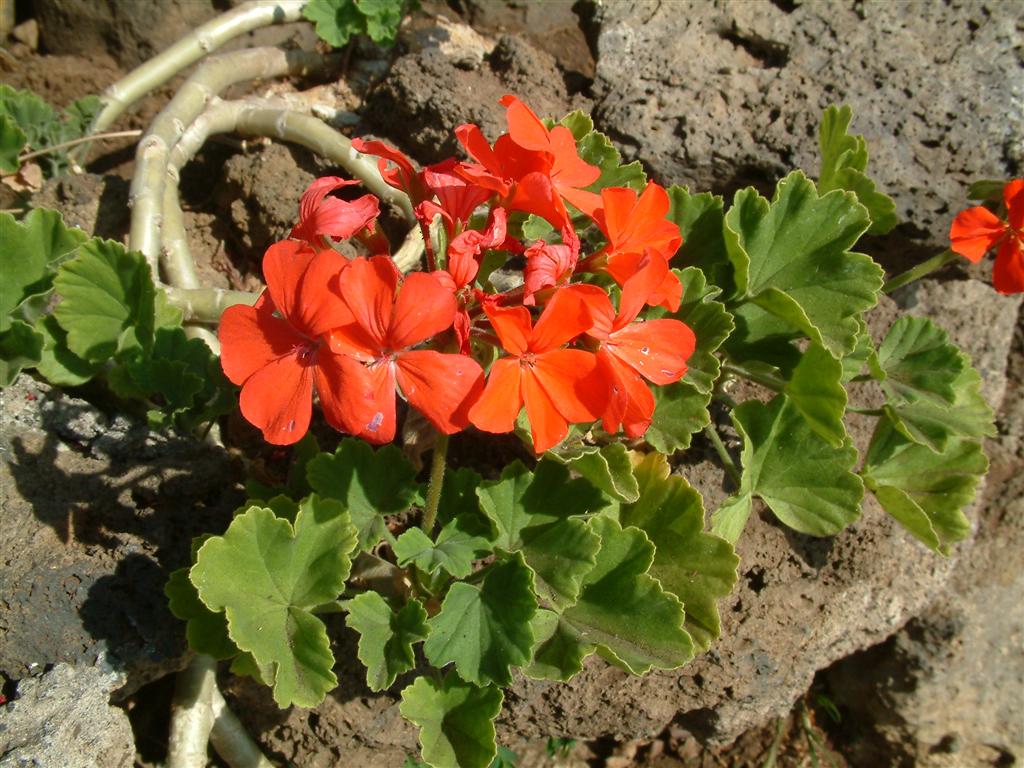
[(597, 149), (31, 251), (844, 160), (456, 721), (729, 520), (623, 612), (107, 301), (30, 113), (816, 391), (12, 142), (710, 323), (20, 347), (484, 630), (337, 20), (533, 513), (607, 467), (454, 551), (925, 491), (268, 575), (933, 395), (680, 410), (459, 501), (505, 758), (557, 651), (386, 637), (696, 567), (791, 259), (918, 359), (701, 220), (806, 482), (863, 354), (369, 483), (58, 364), (206, 630)]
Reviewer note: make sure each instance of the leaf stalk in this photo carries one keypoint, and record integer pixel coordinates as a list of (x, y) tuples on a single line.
[(437, 467), (926, 267)]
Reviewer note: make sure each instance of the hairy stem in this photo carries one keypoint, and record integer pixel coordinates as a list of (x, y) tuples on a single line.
[(437, 467), (192, 714), (158, 70), (231, 740), (80, 140), (206, 305), (766, 380), (723, 453), (926, 267)]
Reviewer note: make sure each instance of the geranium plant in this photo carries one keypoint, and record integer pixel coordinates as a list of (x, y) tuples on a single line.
[(547, 292)]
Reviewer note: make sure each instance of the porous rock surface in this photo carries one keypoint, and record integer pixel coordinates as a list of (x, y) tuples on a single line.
[(719, 95), (64, 718), (945, 690), (97, 512)]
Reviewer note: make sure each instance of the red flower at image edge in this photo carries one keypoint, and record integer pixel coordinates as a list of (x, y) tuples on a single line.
[(977, 230), (440, 386), (275, 349)]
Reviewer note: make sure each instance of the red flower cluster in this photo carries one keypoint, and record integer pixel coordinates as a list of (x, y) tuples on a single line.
[(977, 231), (359, 333)]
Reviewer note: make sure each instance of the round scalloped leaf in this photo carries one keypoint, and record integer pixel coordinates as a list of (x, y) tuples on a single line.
[(695, 566), (386, 637), (456, 721), (925, 491), (206, 630), (32, 249), (369, 483), (107, 300), (484, 630), (791, 259), (454, 551), (607, 467), (532, 512), (700, 218), (12, 142), (807, 483), (815, 389), (20, 347), (268, 576)]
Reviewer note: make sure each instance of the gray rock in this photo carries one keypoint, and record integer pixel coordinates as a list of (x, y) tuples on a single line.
[(945, 691), (92, 529), (720, 95), (64, 718)]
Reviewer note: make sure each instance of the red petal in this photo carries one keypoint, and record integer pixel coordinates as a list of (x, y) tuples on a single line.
[(403, 176), (975, 232), (564, 318), (278, 399), (317, 191), (656, 349), (425, 307), (252, 338), (368, 287), (630, 401), (501, 400), (284, 264), (1008, 274), (513, 326), (570, 170), (319, 307), (568, 376), (476, 145), (1013, 196), (644, 284), (441, 387), (548, 427), (364, 398), (546, 265)]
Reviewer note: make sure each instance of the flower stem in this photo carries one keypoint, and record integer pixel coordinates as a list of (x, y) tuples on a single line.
[(133, 134), (723, 453), (773, 383), (437, 466), (926, 267)]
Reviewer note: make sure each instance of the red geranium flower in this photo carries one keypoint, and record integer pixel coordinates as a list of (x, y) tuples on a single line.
[(323, 216), (977, 230), (656, 350), (636, 229), (275, 349), (379, 341), (556, 384)]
